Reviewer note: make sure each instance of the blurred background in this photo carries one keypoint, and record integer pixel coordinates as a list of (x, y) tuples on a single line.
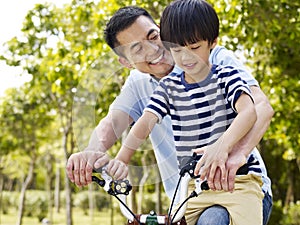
[(58, 78)]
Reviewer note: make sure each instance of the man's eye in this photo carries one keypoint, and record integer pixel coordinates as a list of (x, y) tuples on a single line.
[(176, 49), (155, 37), (137, 49)]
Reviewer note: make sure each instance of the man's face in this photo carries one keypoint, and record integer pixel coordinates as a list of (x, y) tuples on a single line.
[(143, 48)]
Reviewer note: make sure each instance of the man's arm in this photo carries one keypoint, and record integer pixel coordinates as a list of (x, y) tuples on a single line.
[(243, 148), (80, 165), (265, 113)]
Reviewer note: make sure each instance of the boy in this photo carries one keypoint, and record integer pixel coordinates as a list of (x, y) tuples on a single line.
[(211, 109)]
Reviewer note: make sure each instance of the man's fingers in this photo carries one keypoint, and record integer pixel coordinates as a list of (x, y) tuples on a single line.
[(216, 185), (76, 171), (69, 169), (231, 180), (82, 180), (224, 180)]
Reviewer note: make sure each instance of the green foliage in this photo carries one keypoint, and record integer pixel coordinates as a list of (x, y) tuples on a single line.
[(285, 216), (101, 200), (8, 200), (36, 204), (149, 202), (75, 77), (277, 213), (292, 216)]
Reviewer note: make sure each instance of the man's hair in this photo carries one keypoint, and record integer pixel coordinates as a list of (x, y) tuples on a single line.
[(121, 20), (186, 22)]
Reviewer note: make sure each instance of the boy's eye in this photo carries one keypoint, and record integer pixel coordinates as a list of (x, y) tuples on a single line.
[(195, 47)]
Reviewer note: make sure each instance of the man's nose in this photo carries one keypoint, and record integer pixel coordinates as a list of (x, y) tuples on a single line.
[(151, 47)]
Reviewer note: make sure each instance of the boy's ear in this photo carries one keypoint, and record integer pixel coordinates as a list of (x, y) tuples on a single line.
[(215, 42), (125, 62)]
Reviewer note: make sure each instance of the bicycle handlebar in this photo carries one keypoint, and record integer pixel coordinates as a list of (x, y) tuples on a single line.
[(122, 188)]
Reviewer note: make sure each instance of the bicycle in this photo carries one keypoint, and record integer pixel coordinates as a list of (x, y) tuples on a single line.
[(122, 188)]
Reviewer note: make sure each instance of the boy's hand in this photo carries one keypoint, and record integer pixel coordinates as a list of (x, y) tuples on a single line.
[(117, 169), (80, 166), (214, 158)]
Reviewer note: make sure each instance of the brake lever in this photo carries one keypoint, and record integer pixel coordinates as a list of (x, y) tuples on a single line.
[(189, 168)]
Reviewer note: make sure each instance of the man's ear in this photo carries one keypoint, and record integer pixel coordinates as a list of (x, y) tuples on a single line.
[(125, 62)]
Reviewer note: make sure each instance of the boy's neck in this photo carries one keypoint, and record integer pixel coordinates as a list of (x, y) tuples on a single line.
[(196, 78)]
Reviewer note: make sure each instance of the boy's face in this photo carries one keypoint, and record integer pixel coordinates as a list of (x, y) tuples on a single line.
[(143, 49), (193, 59)]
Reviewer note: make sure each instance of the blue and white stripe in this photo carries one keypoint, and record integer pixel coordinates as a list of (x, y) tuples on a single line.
[(200, 112)]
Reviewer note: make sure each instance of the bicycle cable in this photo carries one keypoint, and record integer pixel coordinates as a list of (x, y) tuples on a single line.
[(173, 199), (193, 194), (129, 210)]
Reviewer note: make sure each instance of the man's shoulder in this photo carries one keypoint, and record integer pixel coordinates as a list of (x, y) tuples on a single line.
[(136, 75)]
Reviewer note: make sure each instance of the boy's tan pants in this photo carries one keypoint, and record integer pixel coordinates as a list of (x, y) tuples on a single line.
[(244, 204)]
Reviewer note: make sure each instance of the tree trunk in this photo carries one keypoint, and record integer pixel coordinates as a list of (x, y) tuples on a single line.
[(69, 219), (1, 193), (158, 207), (132, 203), (141, 185), (48, 186), (111, 211), (91, 203), (57, 187), (23, 192), (290, 190)]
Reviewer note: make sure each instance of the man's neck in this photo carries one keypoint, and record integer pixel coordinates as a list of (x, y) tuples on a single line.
[(156, 77)]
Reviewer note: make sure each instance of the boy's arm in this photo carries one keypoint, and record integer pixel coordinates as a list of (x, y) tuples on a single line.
[(137, 135), (216, 155)]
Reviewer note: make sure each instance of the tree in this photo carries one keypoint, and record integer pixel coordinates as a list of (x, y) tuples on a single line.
[(24, 120), (64, 51)]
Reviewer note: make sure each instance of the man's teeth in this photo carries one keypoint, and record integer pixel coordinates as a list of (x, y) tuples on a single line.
[(155, 61)]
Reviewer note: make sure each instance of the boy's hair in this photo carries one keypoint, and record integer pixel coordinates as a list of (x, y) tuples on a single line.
[(121, 20), (186, 22)]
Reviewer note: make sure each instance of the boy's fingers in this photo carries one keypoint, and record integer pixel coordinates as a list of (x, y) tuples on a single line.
[(101, 160), (199, 150)]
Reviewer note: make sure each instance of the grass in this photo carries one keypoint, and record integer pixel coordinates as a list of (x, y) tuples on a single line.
[(79, 218)]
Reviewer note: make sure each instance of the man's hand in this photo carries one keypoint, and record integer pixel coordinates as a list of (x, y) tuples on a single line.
[(234, 162), (117, 169), (80, 166)]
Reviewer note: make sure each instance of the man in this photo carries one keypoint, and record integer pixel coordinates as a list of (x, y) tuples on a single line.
[(134, 37)]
